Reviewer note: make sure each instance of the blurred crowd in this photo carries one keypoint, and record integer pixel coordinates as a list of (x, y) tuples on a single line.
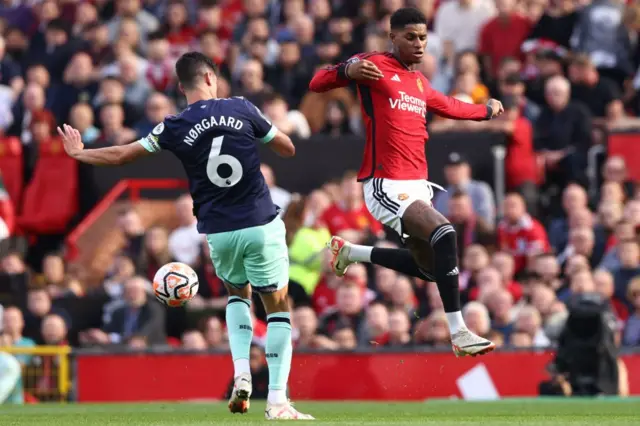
[(565, 71)]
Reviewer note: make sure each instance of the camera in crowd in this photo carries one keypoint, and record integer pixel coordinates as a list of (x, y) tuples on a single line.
[(586, 361)]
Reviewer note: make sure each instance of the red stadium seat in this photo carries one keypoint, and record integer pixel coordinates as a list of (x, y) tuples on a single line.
[(11, 166), (51, 199)]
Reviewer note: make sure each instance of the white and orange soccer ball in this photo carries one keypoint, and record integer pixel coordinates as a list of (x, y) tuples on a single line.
[(175, 284)]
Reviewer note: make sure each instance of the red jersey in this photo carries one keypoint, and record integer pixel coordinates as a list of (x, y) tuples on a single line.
[(523, 240), (338, 219), (520, 164), (394, 111)]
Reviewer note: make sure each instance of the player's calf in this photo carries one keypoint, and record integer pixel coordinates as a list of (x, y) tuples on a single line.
[(240, 329), (278, 348)]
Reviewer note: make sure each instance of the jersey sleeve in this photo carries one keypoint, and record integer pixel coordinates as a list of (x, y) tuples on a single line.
[(448, 107), (333, 76), (157, 140), (263, 129)]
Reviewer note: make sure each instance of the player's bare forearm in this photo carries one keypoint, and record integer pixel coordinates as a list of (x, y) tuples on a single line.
[(111, 156)]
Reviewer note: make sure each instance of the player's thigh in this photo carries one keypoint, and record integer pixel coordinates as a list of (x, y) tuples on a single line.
[(227, 253), (403, 205), (420, 219), (266, 258)]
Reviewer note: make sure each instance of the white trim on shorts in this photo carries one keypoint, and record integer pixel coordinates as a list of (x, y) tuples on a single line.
[(388, 199)]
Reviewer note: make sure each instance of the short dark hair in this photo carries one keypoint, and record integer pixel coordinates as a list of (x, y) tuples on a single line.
[(189, 67), (59, 24), (407, 16), (156, 35)]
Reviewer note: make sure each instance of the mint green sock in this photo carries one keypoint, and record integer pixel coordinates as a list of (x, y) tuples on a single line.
[(278, 352), (240, 330)]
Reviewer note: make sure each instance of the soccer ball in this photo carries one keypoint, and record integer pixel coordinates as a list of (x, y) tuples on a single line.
[(175, 284)]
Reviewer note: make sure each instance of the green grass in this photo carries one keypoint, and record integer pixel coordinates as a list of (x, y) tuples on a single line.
[(507, 412)]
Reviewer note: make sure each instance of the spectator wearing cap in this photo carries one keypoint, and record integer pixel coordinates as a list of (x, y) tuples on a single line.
[(503, 35), (588, 87), (521, 168), (458, 177), (520, 234), (563, 134)]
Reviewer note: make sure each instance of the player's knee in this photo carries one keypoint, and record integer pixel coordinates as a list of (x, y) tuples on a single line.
[(243, 292), (443, 240), (275, 302)]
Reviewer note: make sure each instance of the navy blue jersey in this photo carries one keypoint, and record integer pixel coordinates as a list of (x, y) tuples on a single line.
[(216, 142)]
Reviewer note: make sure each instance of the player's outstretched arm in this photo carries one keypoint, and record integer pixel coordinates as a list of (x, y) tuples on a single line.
[(111, 156), (281, 144), (360, 70), (449, 107)]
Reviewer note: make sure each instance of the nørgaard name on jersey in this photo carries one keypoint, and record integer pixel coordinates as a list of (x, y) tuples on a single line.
[(210, 122), (409, 103)]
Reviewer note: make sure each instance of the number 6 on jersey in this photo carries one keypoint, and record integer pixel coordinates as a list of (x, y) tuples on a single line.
[(216, 160)]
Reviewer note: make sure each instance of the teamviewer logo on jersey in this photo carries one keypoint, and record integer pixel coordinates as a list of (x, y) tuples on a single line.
[(409, 103)]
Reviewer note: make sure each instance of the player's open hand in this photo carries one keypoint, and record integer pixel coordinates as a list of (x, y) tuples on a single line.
[(363, 70), (71, 139), (496, 107)]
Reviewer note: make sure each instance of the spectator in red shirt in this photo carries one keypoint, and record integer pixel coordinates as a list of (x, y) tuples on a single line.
[(521, 168), (179, 32), (350, 213), (519, 233), (505, 265), (503, 35)]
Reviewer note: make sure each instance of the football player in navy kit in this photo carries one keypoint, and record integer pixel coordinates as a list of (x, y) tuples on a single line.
[(215, 139)]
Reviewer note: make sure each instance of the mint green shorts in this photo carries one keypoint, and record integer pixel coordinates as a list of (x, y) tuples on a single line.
[(258, 256)]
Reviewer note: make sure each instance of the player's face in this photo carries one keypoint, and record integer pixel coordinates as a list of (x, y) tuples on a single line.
[(410, 42)]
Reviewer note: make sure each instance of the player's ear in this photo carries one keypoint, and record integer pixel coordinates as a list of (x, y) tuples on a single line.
[(210, 79), (392, 36), (181, 88)]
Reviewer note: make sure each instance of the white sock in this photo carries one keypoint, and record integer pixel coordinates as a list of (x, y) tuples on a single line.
[(456, 322), (359, 253), (277, 396), (241, 366)]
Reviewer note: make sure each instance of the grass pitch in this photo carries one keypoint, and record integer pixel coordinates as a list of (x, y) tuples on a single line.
[(600, 412)]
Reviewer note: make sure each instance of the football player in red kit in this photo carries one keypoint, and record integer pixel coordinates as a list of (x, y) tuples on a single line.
[(395, 99)]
